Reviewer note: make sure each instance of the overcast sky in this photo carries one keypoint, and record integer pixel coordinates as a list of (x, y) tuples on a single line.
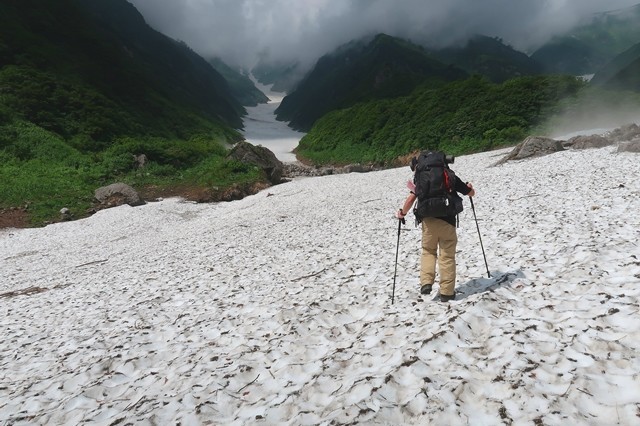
[(239, 30)]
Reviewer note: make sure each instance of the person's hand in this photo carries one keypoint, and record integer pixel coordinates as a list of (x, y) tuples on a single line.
[(399, 214), (471, 193)]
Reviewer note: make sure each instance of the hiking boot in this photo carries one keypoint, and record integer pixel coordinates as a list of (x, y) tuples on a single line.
[(425, 289), (447, 298)]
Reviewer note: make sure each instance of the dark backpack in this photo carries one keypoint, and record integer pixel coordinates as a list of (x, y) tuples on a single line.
[(435, 187)]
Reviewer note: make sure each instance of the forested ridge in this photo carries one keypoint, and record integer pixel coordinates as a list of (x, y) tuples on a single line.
[(465, 116)]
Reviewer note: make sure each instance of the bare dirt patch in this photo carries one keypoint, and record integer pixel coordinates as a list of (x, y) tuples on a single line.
[(14, 218)]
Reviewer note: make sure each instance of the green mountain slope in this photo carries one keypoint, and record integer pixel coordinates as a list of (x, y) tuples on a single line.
[(104, 50), (460, 117), (491, 58), (621, 73), (590, 46), (385, 67), (241, 86)]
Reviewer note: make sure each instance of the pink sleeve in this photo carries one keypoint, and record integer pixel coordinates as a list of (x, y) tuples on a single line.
[(411, 186)]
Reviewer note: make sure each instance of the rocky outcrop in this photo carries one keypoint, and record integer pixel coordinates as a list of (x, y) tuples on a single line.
[(292, 170), (587, 142), (626, 137), (632, 146), (259, 156), (533, 146), (625, 133), (117, 194)]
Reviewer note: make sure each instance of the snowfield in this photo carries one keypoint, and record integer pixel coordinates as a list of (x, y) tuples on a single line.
[(276, 309)]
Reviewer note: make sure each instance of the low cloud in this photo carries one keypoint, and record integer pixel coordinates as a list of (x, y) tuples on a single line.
[(239, 31)]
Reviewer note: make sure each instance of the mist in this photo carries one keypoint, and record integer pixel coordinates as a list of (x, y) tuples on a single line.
[(241, 31), (594, 110)]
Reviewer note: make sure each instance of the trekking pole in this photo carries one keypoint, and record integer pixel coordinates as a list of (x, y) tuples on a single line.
[(400, 222), (480, 237)]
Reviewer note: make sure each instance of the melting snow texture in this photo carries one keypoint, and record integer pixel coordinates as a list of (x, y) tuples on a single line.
[(276, 309)]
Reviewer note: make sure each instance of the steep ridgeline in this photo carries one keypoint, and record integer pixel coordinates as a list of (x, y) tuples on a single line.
[(172, 67), (621, 73), (95, 68), (489, 57), (282, 76), (385, 67), (241, 86), (589, 47)]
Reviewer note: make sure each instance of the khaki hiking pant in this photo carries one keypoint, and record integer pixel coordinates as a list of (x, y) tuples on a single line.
[(438, 234)]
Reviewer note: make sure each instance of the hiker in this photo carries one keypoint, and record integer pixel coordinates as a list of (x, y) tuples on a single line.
[(435, 187)]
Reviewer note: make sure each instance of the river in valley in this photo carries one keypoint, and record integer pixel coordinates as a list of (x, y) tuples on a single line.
[(262, 128)]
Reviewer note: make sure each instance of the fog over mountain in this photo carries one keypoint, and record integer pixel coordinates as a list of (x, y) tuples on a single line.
[(240, 30)]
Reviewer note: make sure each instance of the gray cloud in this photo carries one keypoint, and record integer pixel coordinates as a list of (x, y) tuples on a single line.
[(240, 30)]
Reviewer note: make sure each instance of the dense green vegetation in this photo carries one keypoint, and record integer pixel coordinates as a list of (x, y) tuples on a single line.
[(42, 170), (461, 117), (84, 86)]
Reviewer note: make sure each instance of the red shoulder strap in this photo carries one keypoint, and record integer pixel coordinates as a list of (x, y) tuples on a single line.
[(447, 180)]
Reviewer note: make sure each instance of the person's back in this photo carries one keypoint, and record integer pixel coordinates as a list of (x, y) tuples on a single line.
[(436, 187), (438, 204)]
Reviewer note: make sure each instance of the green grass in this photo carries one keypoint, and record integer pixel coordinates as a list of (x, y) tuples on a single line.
[(38, 168), (45, 188)]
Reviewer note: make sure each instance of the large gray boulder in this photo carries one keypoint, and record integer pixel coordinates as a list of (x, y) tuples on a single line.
[(586, 142), (259, 156), (632, 146), (117, 194), (625, 133), (533, 146)]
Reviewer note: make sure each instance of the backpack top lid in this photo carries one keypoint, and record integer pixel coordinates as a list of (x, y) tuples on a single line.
[(428, 159)]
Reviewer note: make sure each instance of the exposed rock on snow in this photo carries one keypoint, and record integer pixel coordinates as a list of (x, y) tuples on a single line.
[(625, 133), (632, 146), (292, 170), (588, 142), (533, 146)]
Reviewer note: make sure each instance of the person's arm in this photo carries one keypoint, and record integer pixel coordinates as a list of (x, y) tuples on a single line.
[(464, 188), (406, 207)]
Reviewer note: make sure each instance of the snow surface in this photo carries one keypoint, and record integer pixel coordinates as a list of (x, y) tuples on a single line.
[(276, 309), (262, 128)]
